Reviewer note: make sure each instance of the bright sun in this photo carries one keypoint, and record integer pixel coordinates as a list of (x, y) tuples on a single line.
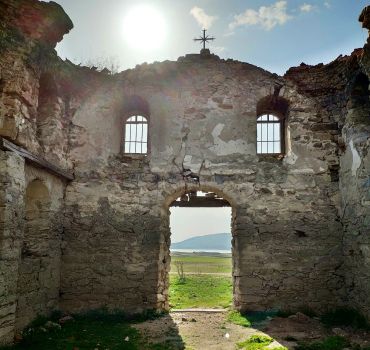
[(144, 28)]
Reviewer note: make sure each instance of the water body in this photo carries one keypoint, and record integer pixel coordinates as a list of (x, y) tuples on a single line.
[(201, 251)]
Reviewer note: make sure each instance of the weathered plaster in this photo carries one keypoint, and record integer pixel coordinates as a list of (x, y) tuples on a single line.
[(300, 221)]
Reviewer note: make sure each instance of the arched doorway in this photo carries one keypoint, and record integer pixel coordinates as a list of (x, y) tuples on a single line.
[(210, 197), (34, 268)]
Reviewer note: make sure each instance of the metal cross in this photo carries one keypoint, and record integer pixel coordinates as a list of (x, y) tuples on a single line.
[(205, 39)]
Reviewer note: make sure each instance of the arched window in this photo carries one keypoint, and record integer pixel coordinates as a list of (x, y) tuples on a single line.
[(272, 113), (269, 134), (136, 135)]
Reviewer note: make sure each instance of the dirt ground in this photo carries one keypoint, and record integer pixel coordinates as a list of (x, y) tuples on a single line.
[(204, 330)]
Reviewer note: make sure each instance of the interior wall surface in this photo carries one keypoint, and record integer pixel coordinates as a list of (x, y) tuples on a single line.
[(202, 119)]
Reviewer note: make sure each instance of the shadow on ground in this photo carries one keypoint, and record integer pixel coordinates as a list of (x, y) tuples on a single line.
[(215, 331)]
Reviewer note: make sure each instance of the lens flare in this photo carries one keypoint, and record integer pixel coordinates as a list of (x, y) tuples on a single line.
[(144, 28)]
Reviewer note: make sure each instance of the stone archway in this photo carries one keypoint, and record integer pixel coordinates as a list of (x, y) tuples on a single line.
[(165, 241), (34, 268)]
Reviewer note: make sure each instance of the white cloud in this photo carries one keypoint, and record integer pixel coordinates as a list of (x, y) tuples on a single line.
[(204, 20), (229, 33), (218, 49), (327, 4), (267, 16), (306, 7)]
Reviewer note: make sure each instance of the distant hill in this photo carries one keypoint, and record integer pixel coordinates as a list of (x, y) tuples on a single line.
[(218, 241)]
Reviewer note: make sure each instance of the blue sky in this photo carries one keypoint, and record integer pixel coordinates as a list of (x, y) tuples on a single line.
[(272, 34)]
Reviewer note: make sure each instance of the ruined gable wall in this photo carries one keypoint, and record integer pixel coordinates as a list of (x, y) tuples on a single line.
[(286, 232), (287, 235)]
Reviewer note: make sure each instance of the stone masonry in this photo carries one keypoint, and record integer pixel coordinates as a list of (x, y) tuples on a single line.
[(300, 222)]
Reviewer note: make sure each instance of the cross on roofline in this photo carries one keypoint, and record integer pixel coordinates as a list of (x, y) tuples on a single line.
[(205, 39)]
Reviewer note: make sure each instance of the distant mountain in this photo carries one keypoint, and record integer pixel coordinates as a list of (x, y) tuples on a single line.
[(218, 241)]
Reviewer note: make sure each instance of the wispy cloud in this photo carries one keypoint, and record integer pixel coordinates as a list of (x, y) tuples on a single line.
[(267, 17), (306, 7), (229, 33), (327, 4), (203, 19), (218, 49)]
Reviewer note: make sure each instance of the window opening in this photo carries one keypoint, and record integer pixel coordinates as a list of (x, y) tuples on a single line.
[(269, 134), (136, 135)]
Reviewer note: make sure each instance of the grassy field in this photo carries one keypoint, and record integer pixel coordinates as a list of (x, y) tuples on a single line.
[(207, 283), (196, 263), (200, 291)]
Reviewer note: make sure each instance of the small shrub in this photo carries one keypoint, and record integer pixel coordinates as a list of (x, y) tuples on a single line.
[(330, 343), (180, 271), (345, 317), (255, 342), (239, 319)]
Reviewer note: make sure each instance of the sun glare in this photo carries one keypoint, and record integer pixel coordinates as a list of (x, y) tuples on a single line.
[(144, 28)]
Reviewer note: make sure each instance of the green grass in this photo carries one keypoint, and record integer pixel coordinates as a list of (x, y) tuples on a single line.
[(202, 263), (255, 342), (93, 330), (330, 343), (258, 342), (200, 291), (84, 334), (239, 319)]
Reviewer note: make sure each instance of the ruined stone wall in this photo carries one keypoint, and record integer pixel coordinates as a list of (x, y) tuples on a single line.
[(40, 258), (12, 186), (202, 118), (29, 33), (300, 222), (30, 244), (355, 182)]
